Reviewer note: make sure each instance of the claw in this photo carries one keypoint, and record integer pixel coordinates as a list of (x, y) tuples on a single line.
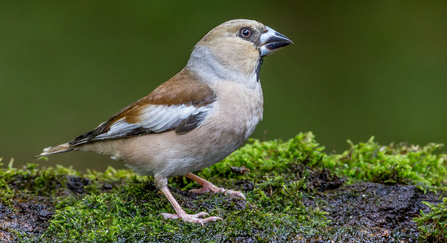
[(209, 187), (235, 193), (215, 189), (193, 218)]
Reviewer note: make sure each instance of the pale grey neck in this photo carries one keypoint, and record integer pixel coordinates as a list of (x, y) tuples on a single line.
[(210, 69)]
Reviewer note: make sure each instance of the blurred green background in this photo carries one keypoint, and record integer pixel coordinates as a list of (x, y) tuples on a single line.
[(357, 68)]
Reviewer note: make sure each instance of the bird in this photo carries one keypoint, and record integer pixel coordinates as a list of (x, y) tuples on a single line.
[(195, 119)]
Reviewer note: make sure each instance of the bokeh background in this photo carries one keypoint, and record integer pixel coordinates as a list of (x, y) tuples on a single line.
[(357, 68)]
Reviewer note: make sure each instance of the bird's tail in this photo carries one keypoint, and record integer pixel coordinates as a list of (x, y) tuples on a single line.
[(62, 148)]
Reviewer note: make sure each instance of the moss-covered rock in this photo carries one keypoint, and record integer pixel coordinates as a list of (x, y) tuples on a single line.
[(295, 192)]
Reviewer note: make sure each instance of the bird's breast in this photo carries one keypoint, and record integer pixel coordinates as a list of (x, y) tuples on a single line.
[(238, 109)]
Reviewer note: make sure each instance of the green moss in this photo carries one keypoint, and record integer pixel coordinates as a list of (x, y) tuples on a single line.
[(56, 181), (118, 206), (401, 164), (132, 214), (370, 161), (433, 225)]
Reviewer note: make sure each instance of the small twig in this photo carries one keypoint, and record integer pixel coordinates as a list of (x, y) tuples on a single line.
[(436, 223)]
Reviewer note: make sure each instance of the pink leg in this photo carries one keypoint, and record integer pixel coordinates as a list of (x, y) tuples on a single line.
[(162, 183), (209, 187)]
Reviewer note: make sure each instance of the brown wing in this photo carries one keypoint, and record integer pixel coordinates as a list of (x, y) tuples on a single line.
[(181, 102)]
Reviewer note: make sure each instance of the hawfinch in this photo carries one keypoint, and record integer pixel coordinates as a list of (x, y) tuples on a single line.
[(196, 118)]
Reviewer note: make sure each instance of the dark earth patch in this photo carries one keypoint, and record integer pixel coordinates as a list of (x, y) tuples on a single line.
[(384, 212), (27, 215)]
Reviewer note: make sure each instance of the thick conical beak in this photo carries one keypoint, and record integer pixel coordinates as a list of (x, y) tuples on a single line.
[(272, 41)]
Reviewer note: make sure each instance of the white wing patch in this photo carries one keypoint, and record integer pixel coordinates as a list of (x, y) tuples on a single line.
[(161, 117), (118, 129), (157, 118)]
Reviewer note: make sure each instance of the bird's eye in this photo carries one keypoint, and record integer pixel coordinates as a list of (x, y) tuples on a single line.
[(245, 32)]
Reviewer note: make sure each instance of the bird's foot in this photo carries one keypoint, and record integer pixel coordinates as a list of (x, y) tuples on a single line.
[(193, 218), (208, 187), (235, 193)]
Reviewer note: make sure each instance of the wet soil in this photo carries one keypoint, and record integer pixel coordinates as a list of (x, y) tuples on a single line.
[(28, 215), (383, 213)]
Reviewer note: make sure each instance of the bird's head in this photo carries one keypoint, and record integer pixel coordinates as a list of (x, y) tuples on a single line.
[(234, 50)]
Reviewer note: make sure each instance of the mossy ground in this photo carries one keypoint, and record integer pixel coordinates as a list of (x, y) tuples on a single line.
[(294, 190)]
